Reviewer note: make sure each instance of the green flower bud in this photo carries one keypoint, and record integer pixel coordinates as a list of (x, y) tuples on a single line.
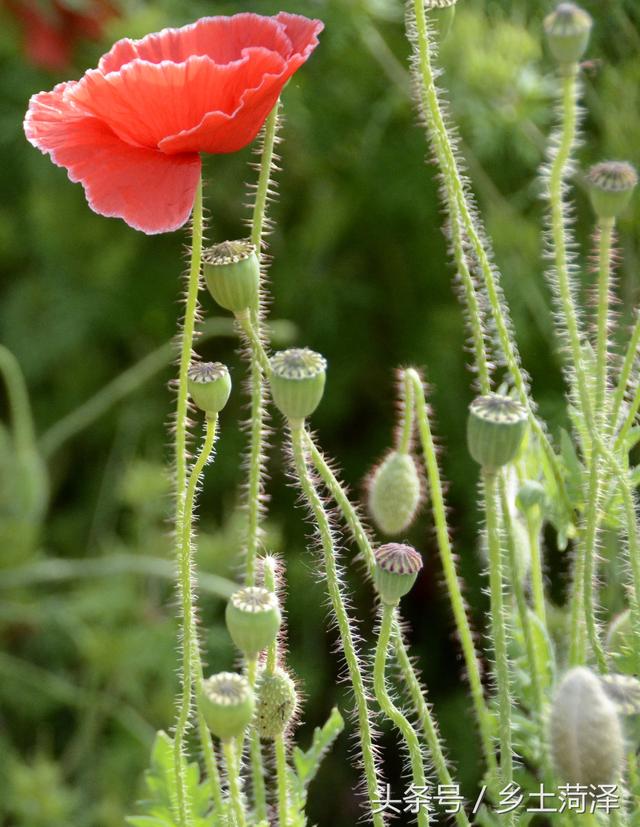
[(568, 29), (277, 703), (397, 567), (495, 430), (227, 704), (232, 273), (531, 494), (394, 493), (611, 185), (253, 619), (297, 381), (586, 736), (441, 14), (209, 386)]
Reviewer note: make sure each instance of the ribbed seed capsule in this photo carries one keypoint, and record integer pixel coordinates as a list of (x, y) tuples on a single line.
[(253, 619), (397, 567), (394, 493), (567, 30), (495, 430), (297, 381), (586, 736), (209, 386), (232, 273), (227, 704), (276, 703), (611, 185)]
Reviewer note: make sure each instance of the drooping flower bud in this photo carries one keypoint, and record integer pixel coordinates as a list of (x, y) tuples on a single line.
[(567, 30), (531, 495), (397, 567), (441, 13), (611, 185), (276, 703), (209, 386), (297, 381), (495, 430), (394, 493), (232, 273), (586, 735), (253, 619), (227, 704)]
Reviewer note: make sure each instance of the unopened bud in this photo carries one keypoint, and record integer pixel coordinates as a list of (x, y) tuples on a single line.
[(209, 386), (394, 493), (397, 567), (253, 619), (531, 495), (227, 704), (568, 29), (232, 273), (611, 185), (297, 381), (587, 742), (276, 703), (495, 430)]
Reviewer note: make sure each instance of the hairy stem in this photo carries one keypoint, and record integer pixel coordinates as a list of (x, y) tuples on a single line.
[(391, 710), (498, 626), (255, 750), (630, 356), (281, 777), (602, 335), (233, 779), (537, 575), (405, 433), (182, 526), (298, 440)]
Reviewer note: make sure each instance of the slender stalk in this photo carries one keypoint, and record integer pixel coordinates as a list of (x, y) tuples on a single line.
[(450, 572), (391, 710), (191, 664), (183, 557), (405, 433), (233, 779), (537, 575), (298, 441), (451, 173), (629, 421), (498, 626), (256, 460), (630, 356), (281, 777), (255, 750), (602, 336)]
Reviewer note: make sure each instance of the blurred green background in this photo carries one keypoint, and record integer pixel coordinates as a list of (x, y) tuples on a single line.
[(87, 632)]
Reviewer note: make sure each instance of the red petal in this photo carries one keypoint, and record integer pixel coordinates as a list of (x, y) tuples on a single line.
[(144, 102), (302, 32), (151, 191), (223, 39)]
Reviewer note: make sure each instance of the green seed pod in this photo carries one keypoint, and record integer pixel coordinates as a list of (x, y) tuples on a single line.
[(611, 185), (276, 703), (495, 430), (441, 14), (227, 704), (586, 736), (297, 381), (232, 273), (567, 30), (209, 386), (531, 495), (253, 619), (394, 493), (397, 567)]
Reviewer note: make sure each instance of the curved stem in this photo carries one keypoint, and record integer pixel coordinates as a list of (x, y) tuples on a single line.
[(450, 572), (392, 712), (498, 628), (233, 779), (190, 652), (281, 776), (183, 558), (298, 441)]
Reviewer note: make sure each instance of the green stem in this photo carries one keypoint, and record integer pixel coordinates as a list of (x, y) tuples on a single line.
[(183, 558), (602, 336), (281, 776), (392, 712), (250, 329), (190, 652), (537, 574), (298, 440), (23, 431), (255, 749), (405, 434), (630, 356), (629, 421), (208, 751), (233, 779), (498, 627), (269, 577), (451, 173), (589, 572), (450, 572)]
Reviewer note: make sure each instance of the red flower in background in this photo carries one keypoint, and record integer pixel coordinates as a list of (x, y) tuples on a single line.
[(52, 29), (131, 130)]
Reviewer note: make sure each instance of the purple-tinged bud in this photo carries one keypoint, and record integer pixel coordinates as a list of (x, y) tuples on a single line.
[(611, 185), (397, 567)]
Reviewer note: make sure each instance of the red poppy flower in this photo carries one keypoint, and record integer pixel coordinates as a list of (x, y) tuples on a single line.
[(131, 130)]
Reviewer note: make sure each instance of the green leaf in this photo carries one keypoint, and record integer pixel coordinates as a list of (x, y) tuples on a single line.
[(307, 763)]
